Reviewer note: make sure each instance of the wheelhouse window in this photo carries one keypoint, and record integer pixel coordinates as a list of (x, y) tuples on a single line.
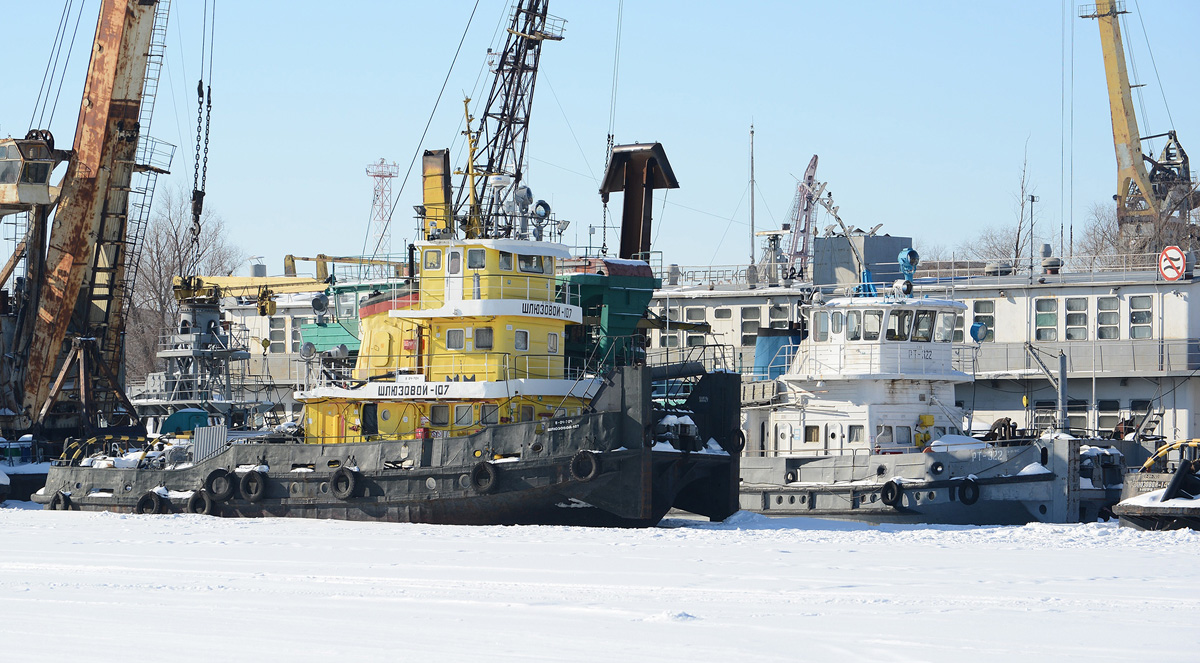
[(1045, 319), (958, 328), (433, 259), (531, 264), (872, 324), (856, 434), (695, 340), (506, 261), (1108, 319), (552, 343), (483, 338), (694, 313), (945, 331), (812, 434), (898, 324), (853, 325), (723, 313), (455, 339), (1077, 318), (476, 258), (904, 436), (923, 326), (521, 340), (1140, 316), (836, 322), (439, 415), (671, 340), (985, 312), (883, 434), (821, 326)]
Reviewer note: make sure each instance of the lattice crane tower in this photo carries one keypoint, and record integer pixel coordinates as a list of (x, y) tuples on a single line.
[(383, 173)]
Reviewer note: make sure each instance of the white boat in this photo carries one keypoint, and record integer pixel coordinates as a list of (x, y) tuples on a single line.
[(862, 424)]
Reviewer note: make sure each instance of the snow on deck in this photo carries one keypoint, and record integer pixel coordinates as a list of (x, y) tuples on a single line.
[(750, 589)]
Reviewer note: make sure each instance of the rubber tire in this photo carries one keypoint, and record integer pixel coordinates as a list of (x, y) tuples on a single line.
[(968, 492), (585, 465), (741, 441), (485, 478), (344, 483), (220, 485), (253, 486), (890, 493), (150, 503), (60, 502), (201, 503)]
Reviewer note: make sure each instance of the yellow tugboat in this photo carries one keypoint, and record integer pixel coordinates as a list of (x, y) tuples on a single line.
[(492, 386)]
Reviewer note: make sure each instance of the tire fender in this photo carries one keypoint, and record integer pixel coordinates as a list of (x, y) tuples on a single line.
[(890, 493), (149, 503), (344, 483), (484, 477), (253, 486), (585, 465)]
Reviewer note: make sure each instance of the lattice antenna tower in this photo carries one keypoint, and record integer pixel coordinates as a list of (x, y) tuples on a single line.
[(383, 173)]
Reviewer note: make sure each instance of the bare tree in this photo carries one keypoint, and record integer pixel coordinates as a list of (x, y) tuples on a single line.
[(168, 251), (1010, 242)]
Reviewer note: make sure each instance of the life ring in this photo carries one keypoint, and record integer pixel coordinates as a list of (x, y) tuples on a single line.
[(890, 493), (968, 491), (201, 503), (585, 466), (484, 477), (60, 502), (344, 483), (220, 485), (253, 486), (151, 502)]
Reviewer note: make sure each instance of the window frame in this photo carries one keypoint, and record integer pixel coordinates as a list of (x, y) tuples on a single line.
[(517, 335)]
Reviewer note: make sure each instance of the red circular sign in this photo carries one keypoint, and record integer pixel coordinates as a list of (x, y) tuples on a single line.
[(1171, 263)]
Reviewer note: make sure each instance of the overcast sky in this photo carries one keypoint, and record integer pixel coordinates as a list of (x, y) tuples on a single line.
[(921, 112)]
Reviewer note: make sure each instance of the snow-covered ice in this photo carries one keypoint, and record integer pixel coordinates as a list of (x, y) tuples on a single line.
[(107, 587)]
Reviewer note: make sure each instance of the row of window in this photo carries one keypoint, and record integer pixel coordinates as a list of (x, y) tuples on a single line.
[(476, 259), (884, 435), (456, 340), (921, 326), (278, 334)]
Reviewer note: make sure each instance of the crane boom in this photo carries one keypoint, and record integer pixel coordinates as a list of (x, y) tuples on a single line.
[(1165, 192), (802, 213)]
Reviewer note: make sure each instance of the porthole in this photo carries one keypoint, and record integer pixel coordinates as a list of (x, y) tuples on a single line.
[(881, 470), (779, 499), (294, 489), (431, 483), (791, 499), (1042, 509), (464, 481), (385, 415), (324, 487), (128, 487), (937, 468), (334, 464), (932, 495), (804, 499), (536, 447)]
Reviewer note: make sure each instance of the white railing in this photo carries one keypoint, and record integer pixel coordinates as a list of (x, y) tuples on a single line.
[(436, 291), (1102, 357), (453, 367)]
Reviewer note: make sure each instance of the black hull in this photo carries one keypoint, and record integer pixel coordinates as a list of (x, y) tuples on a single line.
[(632, 488)]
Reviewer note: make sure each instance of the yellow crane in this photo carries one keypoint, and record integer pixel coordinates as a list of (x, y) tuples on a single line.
[(263, 288), (1148, 201), (323, 261)]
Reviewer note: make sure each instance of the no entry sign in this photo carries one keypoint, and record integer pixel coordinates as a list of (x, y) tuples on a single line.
[(1170, 263)]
